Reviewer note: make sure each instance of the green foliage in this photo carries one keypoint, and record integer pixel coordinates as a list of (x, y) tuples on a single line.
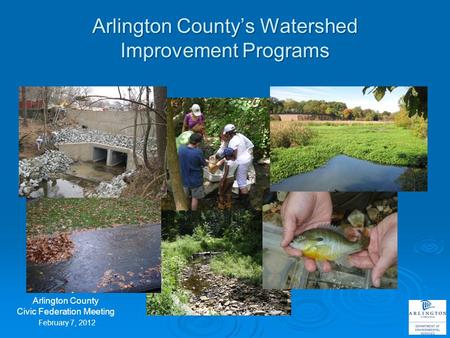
[(174, 259), (347, 114), (334, 109), (382, 143), (418, 124), (235, 265), (415, 99), (250, 116), (420, 127), (402, 119), (378, 92)]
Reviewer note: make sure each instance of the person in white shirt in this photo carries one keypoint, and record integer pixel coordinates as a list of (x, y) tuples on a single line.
[(226, 182), (243, 155), (39, 141)]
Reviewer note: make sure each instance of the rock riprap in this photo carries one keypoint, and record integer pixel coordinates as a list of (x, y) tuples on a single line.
[(113, 188), (80, 135), (35, 170)]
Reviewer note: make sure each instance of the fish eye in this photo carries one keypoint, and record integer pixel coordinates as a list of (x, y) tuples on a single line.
[(319, 239)]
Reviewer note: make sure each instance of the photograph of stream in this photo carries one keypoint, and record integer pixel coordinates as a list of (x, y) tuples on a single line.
[(91, 174), (212, 265), (93, 245), (349, 139), (77, 142)]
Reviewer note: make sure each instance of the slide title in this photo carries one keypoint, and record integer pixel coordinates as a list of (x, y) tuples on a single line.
[(223, 39)]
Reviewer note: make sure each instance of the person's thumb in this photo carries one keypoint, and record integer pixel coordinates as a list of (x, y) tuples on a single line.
[(289, 226), (379, 269)]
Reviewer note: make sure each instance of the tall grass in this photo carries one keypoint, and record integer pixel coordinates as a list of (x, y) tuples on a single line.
[(291, 134)]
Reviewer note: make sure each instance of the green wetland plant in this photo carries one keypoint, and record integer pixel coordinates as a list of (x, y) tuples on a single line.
[(383, 143)]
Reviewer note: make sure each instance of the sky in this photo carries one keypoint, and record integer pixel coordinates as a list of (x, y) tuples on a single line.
[(351, 96), (111, 91)]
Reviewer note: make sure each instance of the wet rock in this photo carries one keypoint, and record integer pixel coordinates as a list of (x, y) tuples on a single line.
[(281, 195), (35, 170), (373, 214), (356, 218), (260, 313), (275, 313), (113, 188), (266, 207)]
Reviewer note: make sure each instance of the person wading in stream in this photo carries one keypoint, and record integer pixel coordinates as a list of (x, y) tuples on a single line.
[(227, 180), (191, 165), (243, 155)]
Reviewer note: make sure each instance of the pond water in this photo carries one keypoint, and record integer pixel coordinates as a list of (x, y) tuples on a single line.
[(95, 171), (59, 188), (121, 259), (344, 173), (80, 178)]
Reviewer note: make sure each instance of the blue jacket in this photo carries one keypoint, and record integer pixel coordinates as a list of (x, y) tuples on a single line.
[(191, 166)]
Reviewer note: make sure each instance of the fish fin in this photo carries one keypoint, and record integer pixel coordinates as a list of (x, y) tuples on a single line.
[(343, 261), (331, 227)]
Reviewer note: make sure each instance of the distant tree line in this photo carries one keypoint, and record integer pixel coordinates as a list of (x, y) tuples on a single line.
[(334, 109)]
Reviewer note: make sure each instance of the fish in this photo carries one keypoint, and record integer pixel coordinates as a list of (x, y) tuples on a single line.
[(327, 243)]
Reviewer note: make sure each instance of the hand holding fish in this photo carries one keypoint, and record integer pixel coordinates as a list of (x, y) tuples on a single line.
[(302, 211), (381, 253)]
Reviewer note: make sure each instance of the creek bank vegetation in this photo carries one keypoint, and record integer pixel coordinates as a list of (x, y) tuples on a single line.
[(211, 265)]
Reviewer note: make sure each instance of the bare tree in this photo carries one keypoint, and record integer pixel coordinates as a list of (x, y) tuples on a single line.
[(158, 110), (45, 95), (24, 106), (148, 127), (160, 100)]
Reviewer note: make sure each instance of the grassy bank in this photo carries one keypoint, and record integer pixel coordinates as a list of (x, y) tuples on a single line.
[(176, 256), (382, 143), (49, 215)]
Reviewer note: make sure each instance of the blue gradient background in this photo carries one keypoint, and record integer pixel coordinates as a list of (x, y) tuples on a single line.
[(400, 43)]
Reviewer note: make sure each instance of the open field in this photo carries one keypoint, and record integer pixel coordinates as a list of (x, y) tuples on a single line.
[(383, 143)]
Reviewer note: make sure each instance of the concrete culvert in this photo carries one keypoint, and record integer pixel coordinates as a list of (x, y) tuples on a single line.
[(100, 155), (116, 158)]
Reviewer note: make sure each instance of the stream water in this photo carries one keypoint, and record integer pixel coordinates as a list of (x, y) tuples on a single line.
[(344, 173), (195, 281), (80, 178), (121, 259), (213, 293)]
